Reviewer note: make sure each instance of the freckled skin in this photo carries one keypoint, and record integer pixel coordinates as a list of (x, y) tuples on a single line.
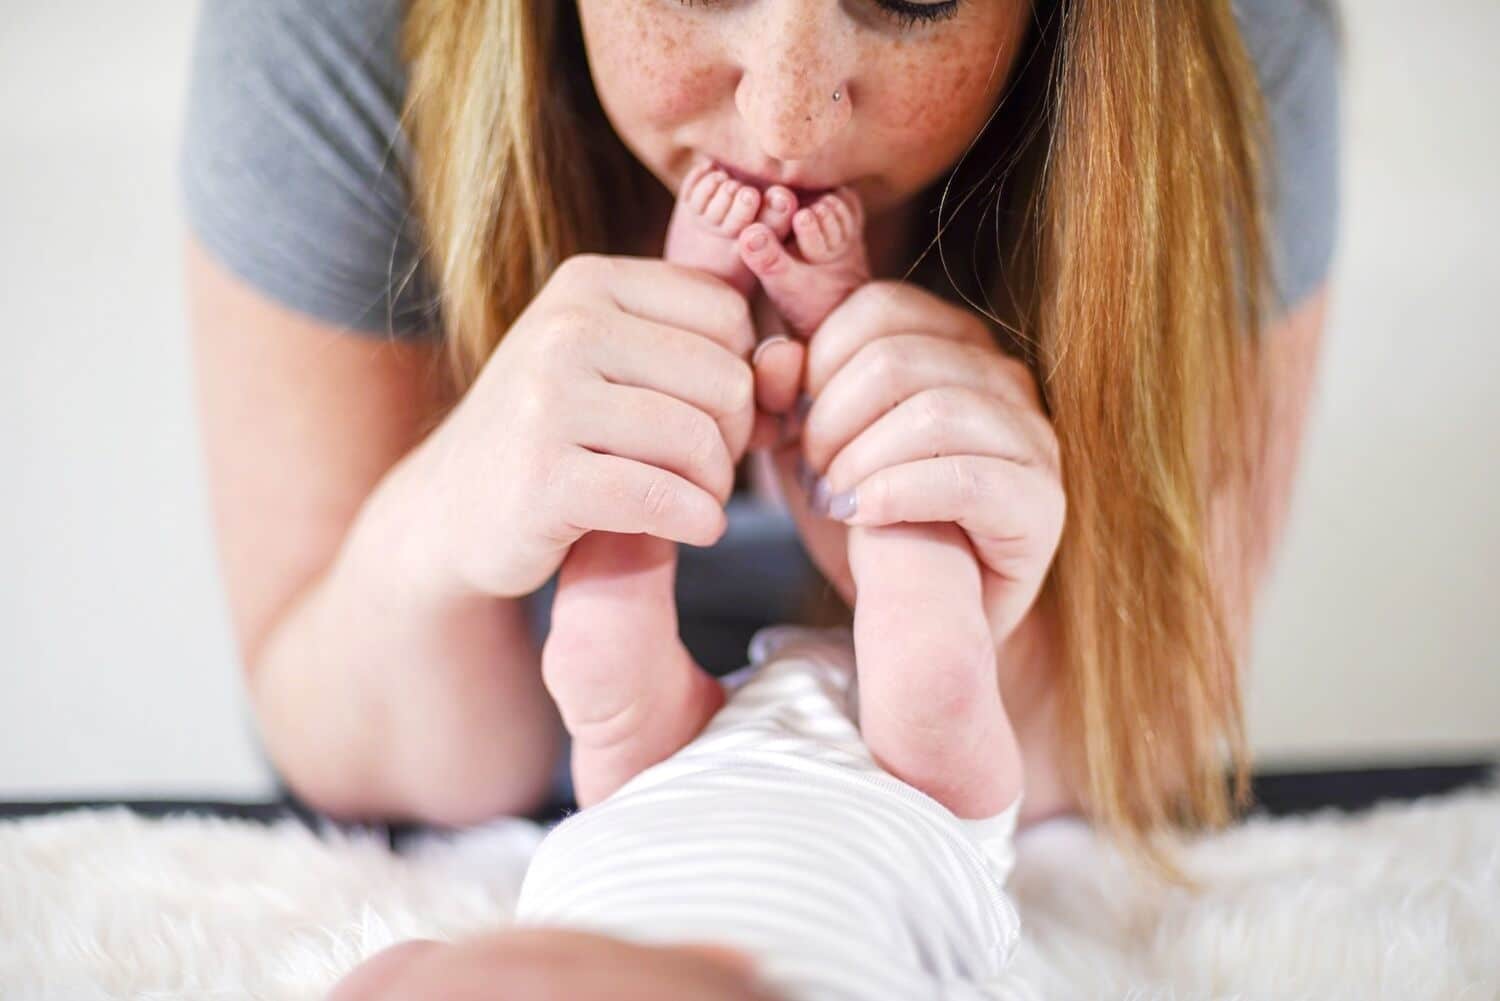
[(751, 83)]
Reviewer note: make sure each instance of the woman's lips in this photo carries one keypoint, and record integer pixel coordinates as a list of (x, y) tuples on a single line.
[(805, 195)]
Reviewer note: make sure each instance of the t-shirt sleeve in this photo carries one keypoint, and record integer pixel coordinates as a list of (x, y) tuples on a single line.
[(293, 166), (1296, 48)]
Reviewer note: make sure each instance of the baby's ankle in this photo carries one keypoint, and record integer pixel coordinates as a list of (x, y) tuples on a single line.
[(608, 753), (969, 762), (929, 691)]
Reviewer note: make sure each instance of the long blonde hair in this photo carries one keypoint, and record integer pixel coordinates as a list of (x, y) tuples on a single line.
[(1125, 262)]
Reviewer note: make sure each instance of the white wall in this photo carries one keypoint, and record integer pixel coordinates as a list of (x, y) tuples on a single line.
[(1380, 629), (116, 670)]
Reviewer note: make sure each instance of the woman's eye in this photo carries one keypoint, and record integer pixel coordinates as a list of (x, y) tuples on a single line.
[(904, 12), (908, 14)]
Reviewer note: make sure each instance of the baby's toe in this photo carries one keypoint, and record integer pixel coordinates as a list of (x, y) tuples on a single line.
[(848, 203), (812, 240), (690, 181), (720, 203), (776, 210), (850, 223), (759, 248), (834, 227), (742, 210), (705, 190)]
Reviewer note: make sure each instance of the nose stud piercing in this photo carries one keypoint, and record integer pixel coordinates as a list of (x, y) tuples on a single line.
[(837, 95)]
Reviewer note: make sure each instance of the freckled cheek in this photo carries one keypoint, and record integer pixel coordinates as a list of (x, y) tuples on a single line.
[(654, 92), (680, 91), (935, 113)]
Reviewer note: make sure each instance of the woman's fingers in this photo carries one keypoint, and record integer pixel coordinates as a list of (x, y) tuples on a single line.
[(878, 310), (947, 420), (674, 295), (777, 365), (660, 431), (610, 494), (1013, 510), (885, 373), (683, 365), (1013, 515)]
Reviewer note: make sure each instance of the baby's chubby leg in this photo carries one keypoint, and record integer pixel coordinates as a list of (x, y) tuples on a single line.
[(629, 692), (929, 694)]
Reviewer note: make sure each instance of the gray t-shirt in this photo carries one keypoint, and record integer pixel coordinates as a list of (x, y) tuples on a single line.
[(294, 175)]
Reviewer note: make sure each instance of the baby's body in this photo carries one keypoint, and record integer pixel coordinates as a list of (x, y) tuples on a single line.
[(771, 857), (628, 690), (775, 833)]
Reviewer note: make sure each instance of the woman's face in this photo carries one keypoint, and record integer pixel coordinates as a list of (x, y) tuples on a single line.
[(750, 83)]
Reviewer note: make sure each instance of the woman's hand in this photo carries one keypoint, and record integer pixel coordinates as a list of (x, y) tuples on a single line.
[(918, 416), (620, 401)]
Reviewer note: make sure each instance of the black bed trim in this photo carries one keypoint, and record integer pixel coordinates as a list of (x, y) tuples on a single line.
[(1277, 793)]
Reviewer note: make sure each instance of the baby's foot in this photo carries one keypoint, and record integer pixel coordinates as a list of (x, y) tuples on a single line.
[(628, 690), (929, 693), (712, 211), (807, 281)]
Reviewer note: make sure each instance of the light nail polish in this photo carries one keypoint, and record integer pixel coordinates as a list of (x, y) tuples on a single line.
[(821, 495), (842, 506)]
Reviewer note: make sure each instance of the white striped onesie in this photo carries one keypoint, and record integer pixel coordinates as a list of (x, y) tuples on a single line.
[(775, 832)]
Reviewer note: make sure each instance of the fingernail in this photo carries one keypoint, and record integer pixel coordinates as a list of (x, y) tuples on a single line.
[(821, 495), (760, 349), (841, 507), (804, 404)]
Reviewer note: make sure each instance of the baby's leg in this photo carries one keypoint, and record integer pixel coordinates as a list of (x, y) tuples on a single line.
[(629, 692), (929, 694)]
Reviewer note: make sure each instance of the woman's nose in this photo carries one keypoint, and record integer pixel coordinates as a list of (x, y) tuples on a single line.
[(797, 56)]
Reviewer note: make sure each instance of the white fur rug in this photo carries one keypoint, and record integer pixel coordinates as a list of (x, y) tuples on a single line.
[(1399, 903)]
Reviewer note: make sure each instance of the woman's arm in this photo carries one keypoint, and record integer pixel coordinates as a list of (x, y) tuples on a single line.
[(853, 342), (1292, 350), (375, 574), (376, 693)]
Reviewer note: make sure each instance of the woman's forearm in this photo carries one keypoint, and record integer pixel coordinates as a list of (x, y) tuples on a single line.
[(1247, 525), (380, 694)]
